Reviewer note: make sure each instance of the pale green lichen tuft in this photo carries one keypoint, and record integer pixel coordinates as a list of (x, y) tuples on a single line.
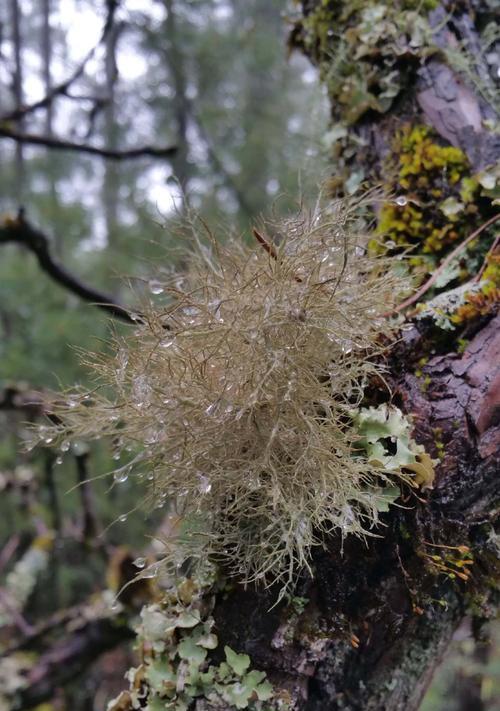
[(235, 393)]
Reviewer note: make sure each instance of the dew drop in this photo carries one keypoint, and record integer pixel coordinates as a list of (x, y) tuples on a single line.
[(205, 486), (121, 476), (150, 476), (155, 287), (401, 201), (140, 562), (58, 460), (150, 572), (65, 445), (210, 410), (48, 440), (122, 518), (167, 343)]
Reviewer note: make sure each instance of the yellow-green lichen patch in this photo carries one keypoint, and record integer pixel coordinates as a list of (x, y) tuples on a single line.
[(437, 212)]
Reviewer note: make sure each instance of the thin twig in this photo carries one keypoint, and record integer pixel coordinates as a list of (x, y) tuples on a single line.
[(62, 88), (8, 550), (17, 618), (491, 251), (425, 287), (267, 246)]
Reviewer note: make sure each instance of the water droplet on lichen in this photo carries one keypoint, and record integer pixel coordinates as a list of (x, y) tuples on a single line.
[(401, 201), (121, 476), (65, 445), (150, 572), (205, 486), (155, 287), (140, 562), (210, 410)]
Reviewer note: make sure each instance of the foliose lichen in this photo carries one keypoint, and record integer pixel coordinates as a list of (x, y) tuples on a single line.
[(177, 641)]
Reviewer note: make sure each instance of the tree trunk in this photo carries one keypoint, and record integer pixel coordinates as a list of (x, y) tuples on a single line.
[(17, 90), (177, 67), (379, 616), (111, 180), (51, 171)]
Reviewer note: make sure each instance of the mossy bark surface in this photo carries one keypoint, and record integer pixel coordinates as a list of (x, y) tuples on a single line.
[(377, 617)]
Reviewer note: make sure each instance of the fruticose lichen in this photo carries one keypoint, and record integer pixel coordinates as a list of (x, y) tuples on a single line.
[(237, 395)]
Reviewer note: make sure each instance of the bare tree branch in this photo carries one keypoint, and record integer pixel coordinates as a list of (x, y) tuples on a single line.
[(62, 88), (19, 397), (60, 144), (20, 231)]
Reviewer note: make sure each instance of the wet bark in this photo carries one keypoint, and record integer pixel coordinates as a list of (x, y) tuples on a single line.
[(379, 616)]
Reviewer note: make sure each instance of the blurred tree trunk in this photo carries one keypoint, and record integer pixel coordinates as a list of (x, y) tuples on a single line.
[(17, 89), (379, 616), (177, 67), (111, 178), (46, 54), (47, 61)]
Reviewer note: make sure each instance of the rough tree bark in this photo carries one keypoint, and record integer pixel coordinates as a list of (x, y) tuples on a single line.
[(380, 615)]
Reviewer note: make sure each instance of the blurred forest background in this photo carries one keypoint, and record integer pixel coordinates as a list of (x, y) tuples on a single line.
[(116, 118)]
